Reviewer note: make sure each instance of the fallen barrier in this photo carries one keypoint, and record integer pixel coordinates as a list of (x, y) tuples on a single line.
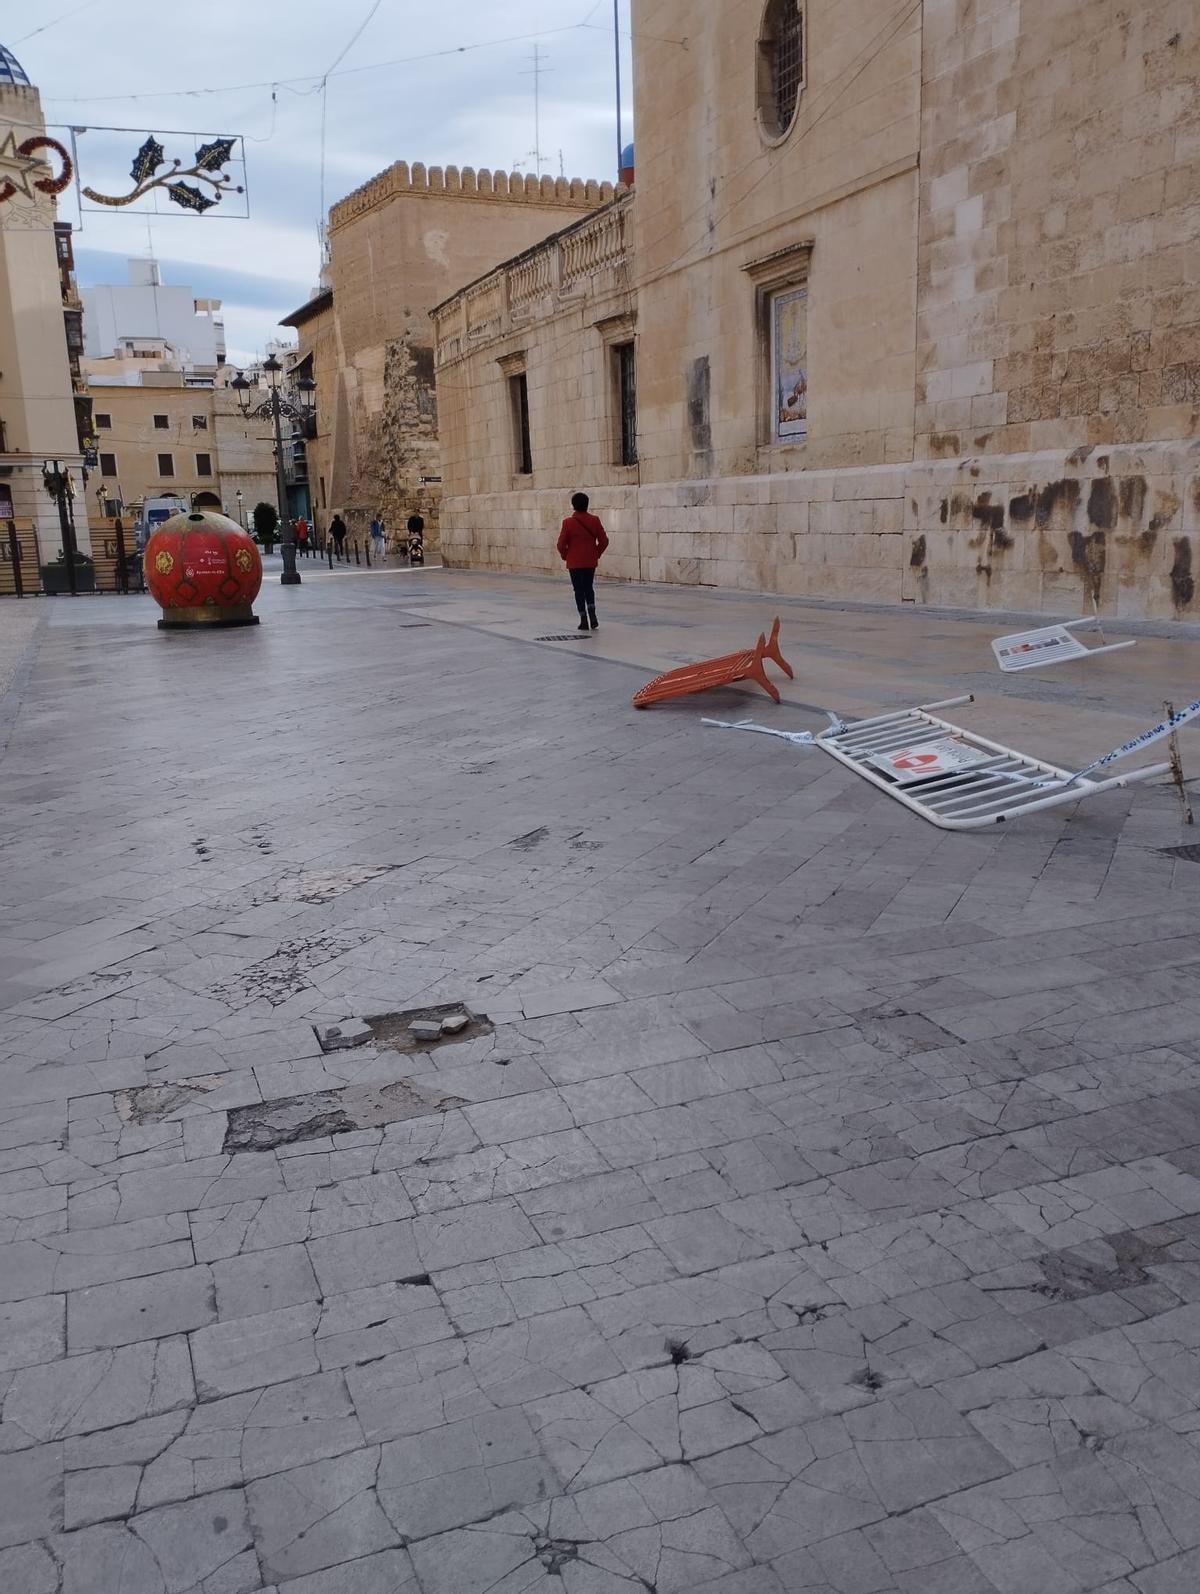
[(724, 671), (1052, 644), (959, 780)]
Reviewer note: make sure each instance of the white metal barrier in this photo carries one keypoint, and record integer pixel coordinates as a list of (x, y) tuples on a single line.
[(1052, 644), (959, 780)]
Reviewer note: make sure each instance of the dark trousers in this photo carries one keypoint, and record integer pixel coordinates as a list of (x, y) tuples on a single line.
[(584, 583)]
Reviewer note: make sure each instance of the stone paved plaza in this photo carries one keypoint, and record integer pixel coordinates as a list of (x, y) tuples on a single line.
[(817, 1210)]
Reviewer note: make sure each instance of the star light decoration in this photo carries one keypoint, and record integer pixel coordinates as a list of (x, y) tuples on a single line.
[(20, 166), (207, 168)]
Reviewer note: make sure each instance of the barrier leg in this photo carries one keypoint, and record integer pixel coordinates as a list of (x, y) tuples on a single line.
[(756, 672), (771, 651)]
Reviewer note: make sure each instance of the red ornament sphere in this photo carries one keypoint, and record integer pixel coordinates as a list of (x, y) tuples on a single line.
[(203, 569)]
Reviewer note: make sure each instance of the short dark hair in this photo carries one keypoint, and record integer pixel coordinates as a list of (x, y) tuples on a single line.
[(579, 500)]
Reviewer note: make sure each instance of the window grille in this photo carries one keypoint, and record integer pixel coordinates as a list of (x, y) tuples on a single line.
[(781, 47), (627, 395)]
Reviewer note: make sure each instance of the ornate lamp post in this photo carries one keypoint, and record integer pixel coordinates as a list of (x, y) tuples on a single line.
[(241, 514), (273, 407), (57, 482)]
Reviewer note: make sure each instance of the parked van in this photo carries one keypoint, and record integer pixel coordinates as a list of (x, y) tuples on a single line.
[(155, 511)]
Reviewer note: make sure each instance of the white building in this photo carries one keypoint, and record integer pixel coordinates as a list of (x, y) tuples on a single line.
[(135, 319)]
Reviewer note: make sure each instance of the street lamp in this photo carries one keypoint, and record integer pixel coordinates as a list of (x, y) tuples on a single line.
[(57, 482), (272, 408), (241, 516)]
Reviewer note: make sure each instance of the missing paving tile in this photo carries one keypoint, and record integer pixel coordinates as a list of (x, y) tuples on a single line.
[(1188, 854), (678, 1351), (328, 1112), (392, 1029), (415, 1278), (151, 1104)]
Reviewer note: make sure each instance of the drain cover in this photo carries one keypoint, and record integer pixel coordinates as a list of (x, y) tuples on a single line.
[(1188, 854), (565, 636)]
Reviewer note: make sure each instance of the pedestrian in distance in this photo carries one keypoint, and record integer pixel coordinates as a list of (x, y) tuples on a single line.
[(581, 542), (337, 530), (416, 540), (378, 533)]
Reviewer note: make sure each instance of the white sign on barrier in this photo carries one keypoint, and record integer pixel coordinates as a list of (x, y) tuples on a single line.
[(1052, 644), (1028, 650), (945, 757)]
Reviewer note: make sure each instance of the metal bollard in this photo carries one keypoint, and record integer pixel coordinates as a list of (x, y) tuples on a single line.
[(367, 551), (357, 560), (122, 571), (14, 553), (329, 551)]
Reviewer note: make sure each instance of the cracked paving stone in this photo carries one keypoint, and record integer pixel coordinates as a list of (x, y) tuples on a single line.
[(202, 1547), (140, 1309), (657, 1530), (389, 1572), (31, 1332), (228, 1442), (364, 1325), (357, 1258), (248, 1352), (462, 1473), (99, 1389), (316, 1516), (30, 1494)]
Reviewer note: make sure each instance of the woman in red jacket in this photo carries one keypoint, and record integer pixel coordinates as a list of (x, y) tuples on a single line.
[(581, 541)]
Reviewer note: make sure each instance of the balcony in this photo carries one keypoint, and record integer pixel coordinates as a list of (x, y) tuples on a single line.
[(590, 258)]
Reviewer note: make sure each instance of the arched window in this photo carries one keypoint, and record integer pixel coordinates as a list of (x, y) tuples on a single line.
[(780, 66)]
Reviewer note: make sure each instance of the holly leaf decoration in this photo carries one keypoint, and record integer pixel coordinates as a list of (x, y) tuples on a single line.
[(212, 156), (190, 198), (147, 160)]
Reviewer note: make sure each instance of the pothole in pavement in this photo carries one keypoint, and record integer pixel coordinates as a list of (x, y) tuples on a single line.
[(268, 1124), (393, 1029)]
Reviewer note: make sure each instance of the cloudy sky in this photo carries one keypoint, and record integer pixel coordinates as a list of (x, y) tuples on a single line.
[(150, 66)]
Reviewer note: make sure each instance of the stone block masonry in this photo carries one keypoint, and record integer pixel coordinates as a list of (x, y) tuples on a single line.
[(395, 245), (975, 250), (1116, 529)]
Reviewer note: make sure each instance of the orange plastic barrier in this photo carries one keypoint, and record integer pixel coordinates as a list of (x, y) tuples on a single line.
[(730, 667)]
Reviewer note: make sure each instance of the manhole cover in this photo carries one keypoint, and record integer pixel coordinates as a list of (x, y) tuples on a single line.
[(1188, 854), (565, 636), (328, 1112)]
